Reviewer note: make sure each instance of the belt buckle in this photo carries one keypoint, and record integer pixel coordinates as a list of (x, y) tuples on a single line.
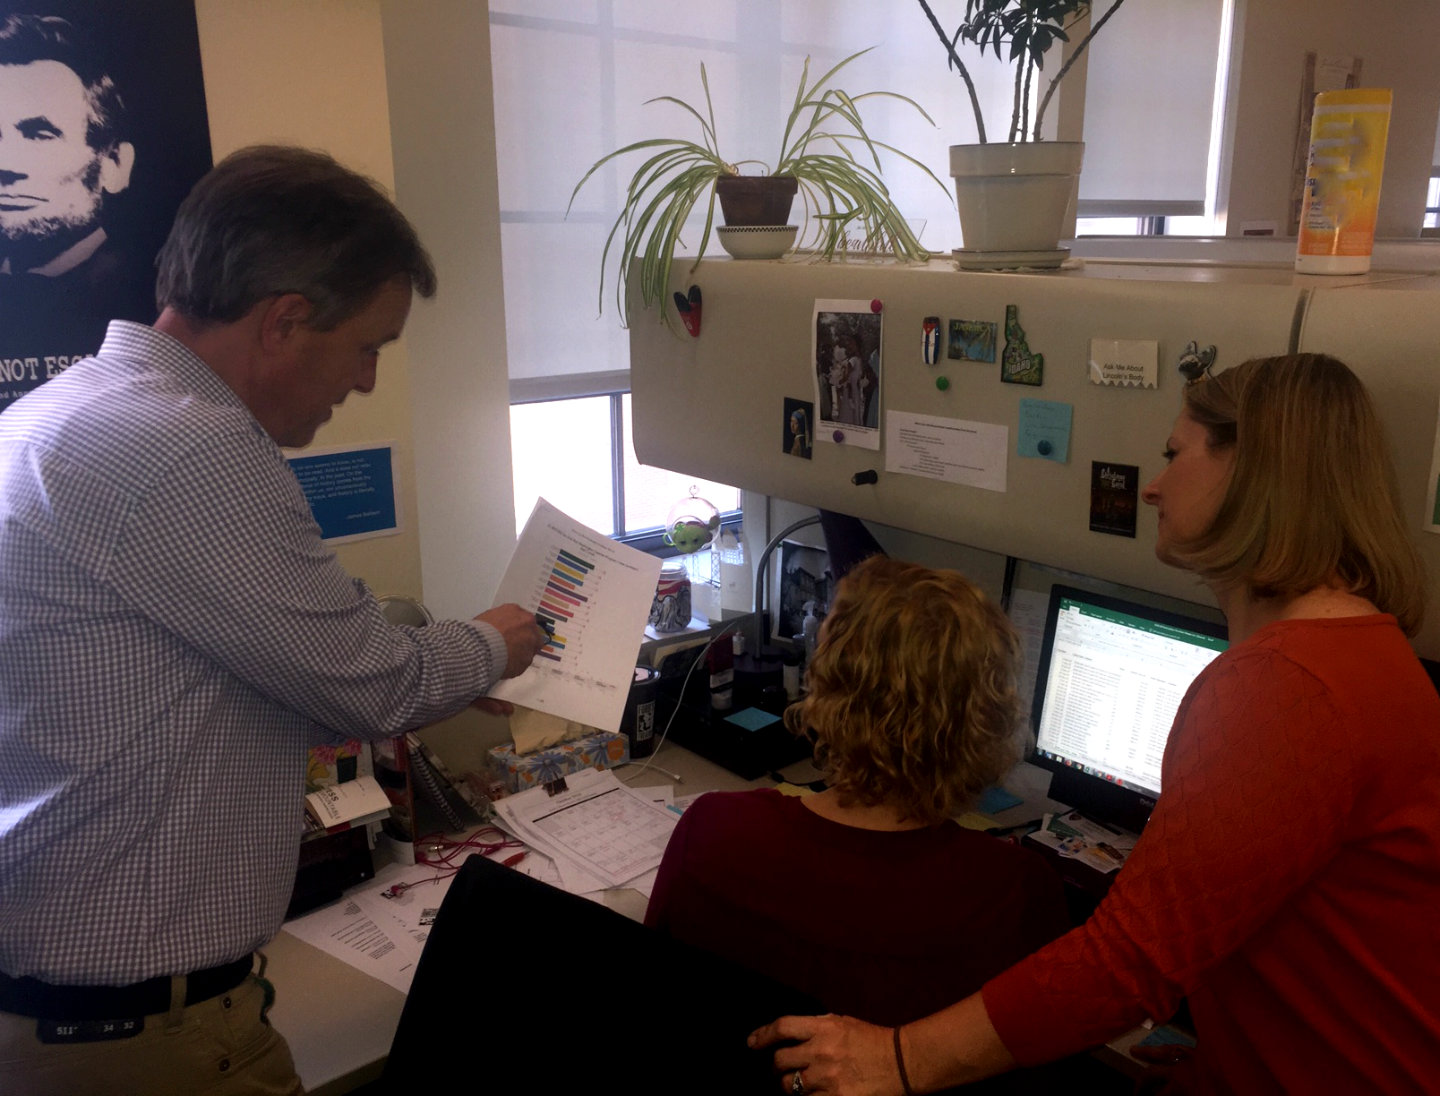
[(88, 1031)]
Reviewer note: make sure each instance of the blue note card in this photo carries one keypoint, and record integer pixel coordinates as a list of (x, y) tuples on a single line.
[(997, 799), (752, 719)]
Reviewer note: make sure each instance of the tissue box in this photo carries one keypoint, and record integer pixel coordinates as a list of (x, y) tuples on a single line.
[(603, 750)]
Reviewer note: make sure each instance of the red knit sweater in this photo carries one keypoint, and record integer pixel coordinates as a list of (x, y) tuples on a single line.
[(1288, 883), (885, 926)]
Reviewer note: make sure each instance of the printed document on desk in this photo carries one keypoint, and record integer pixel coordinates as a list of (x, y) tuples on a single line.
[(613, 833), (381, 936), (597, 593)]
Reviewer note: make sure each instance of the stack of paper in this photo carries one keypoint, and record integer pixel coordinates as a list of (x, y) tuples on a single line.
[(598, 832)]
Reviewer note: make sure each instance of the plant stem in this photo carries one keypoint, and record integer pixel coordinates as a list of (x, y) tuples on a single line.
[(1030, 67), (1094, 28), (960, 65)]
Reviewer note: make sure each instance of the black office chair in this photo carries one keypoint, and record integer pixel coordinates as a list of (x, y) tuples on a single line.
[(525, 988)]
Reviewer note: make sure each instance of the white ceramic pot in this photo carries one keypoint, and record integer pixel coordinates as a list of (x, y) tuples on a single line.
[(1015, 197)]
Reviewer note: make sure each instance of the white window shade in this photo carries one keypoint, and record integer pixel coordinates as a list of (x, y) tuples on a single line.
[(1149, 94)]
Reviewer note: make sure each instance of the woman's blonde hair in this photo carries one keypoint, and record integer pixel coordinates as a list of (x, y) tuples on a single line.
[(1313, 498), (911, 696)]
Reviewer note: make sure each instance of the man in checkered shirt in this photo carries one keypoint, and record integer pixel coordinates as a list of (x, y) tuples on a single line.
[(174, 634)]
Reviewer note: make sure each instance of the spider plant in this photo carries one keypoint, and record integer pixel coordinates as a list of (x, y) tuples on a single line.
[(824, 146), (1027, 29)]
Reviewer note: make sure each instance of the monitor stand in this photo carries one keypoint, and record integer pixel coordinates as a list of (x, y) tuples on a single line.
[(1101, 800)]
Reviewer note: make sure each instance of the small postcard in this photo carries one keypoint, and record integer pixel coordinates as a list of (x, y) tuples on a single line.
[(1114, 494), (972, 340)]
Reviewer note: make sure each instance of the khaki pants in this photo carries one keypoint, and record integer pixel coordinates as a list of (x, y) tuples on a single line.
[(220, 1047)]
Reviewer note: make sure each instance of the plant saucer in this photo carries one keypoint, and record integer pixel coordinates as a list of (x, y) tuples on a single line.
[(756, 241)]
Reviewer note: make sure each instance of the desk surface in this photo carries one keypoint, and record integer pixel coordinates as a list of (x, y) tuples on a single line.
[(339, 1021)]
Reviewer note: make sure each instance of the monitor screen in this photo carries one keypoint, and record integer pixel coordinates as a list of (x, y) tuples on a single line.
[(1110, 677)]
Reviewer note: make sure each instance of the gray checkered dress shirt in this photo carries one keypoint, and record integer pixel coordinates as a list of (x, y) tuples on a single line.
[(173, 634)]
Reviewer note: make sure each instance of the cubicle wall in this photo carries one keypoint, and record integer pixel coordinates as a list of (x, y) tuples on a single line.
[(714, 406)]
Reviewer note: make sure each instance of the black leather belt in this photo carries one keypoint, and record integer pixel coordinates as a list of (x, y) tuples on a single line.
[(44, 1001)]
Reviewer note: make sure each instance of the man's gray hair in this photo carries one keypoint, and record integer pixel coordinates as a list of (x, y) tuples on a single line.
[(272, 219)]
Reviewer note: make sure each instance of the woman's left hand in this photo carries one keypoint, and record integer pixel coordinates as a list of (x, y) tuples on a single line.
[(832, 1054)]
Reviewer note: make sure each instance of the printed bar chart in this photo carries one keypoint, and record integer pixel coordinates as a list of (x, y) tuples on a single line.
[(595, 594), (562, 599)]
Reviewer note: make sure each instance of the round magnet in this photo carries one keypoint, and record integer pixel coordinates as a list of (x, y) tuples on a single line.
[(1044, 448), (942, 383), (839, 435), (875, 305)]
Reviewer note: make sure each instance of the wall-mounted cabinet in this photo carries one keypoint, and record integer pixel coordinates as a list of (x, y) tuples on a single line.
[(714, 406)]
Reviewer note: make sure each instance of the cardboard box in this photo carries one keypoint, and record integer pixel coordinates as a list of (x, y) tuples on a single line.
[(603, 750)]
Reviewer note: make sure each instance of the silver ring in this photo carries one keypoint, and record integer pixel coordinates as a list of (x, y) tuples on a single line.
[(797, 1084)]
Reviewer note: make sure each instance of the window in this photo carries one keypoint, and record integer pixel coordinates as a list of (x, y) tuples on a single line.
[(578, 455), (572, 80)]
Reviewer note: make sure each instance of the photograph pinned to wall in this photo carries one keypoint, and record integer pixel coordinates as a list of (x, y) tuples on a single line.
[(845, 354), (798, 436), (804, 581), (108, 102), (1114, 495), (972, 340), (1018, 365)]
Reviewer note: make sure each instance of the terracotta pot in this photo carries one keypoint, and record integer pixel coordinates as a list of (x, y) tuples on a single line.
[(756, 199), (1015, 197)]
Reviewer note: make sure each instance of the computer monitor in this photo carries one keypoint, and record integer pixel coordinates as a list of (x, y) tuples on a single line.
[(1110, 677)]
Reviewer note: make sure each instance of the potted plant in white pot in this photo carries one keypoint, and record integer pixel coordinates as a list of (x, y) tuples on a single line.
[(826, 157), (1014, 196)]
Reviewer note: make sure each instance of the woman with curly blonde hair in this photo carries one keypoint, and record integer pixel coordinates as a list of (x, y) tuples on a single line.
[(867, 895), (1287, 884)]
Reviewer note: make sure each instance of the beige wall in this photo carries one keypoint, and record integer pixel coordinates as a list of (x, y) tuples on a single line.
[(1398, 42), (328, 74), (313, 74)]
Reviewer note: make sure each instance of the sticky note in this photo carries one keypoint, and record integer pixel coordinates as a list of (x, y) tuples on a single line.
[(1044, 430), (752, 719)]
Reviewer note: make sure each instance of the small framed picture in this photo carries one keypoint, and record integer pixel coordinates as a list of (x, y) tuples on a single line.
[(804, 578)]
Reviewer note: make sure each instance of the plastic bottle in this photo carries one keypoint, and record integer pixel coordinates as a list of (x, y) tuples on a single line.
[(735, 585), (1342, 181)]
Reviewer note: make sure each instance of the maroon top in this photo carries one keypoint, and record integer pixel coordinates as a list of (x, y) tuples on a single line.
[(884, 926)]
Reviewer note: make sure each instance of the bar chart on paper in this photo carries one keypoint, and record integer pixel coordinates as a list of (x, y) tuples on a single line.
[(596, 593), (563, 603)]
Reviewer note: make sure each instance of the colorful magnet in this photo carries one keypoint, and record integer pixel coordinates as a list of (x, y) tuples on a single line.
[(1018, 365), (838, 436), (689, 309), (972, 340), (1194, 362), (931, 345), (875, 305), (942, 383)]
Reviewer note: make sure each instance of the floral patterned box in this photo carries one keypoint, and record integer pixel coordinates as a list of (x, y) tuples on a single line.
[(602, 750)]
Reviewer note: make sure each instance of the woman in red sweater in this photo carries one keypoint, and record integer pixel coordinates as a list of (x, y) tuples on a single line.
[(1289, 879), (867, 896)]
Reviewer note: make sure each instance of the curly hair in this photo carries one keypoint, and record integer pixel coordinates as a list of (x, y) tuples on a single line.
[(911, 696), (1313, 497)]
